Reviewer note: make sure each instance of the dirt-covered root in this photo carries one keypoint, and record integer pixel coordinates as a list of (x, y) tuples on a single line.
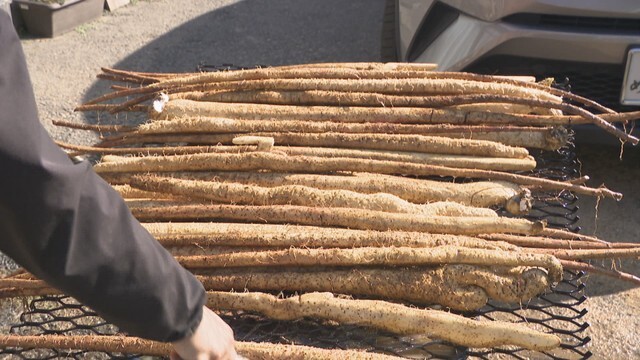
[(203, 250), (391, 317), (285, 236), (234, 193), (201, 143), (548, 138), (134, 345), (507, 108), (419, 191), (416, 86), (128, 192), (551, 139), (523, 284), (551, 243), (421, 286), (481, 102), (340, 217), (378, 141), (266, 351), (307, 164), (401, 142), (180, 108), (458, 161), (374, 256)]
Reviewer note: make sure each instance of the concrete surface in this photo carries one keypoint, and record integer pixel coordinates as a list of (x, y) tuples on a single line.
[(165, 35)]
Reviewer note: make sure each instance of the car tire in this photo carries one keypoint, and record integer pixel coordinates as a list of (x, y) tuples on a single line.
[(388, 48)]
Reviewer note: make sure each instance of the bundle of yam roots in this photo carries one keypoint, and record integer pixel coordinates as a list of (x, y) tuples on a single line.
[(333, 182)]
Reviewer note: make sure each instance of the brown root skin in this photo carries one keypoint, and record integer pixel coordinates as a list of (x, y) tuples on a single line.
[(285, 236), (418, 286), (232, 193), (590, 254), (456, 161), (459, 287), (339, 217), (525, 286), (389, 142), (134, 345), (548, 138), (179, 108), (284, 163), (419, 191), (552, 243), (481, 102), (372, 256), (520, 204), (442, 285), (395, 318)]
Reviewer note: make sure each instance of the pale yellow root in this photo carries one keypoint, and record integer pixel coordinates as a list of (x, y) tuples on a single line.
[(448, 286), (419, 191), (142, 203), (394, 318), (285, 236), (180, 108), (398, 142), (394, 142), (459, 287), (340, 217), (397, 86), (284, 163), (458, 161), (334, 98), (202, 250), (506, 108), (266, 144), (372, 256), (233, 193), (134, 345), (548, 138), (317, 71), (128, 192)]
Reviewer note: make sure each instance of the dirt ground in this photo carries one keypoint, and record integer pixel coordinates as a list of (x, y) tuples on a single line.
[(176, 35)]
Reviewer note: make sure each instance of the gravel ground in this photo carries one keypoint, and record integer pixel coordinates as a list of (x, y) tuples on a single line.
[(177, 35)]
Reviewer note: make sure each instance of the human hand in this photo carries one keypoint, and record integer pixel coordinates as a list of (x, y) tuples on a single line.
[(212, 340)]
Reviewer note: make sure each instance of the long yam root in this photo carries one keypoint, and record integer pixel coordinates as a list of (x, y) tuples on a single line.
[(232, 193), (395, 318), (373, 256), (508, 104), (134, 345), (419, 191), (284, 236), (391, 142), (460, 287), (449, 285), (340, 217), (284, 163)]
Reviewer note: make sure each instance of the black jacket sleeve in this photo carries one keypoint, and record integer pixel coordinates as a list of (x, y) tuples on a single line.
[(64, 224)]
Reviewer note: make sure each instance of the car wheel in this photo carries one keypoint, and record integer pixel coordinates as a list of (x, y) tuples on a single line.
[(388, 49)]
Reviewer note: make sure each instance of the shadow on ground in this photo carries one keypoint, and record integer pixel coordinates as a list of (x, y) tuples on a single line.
[(253, 32)]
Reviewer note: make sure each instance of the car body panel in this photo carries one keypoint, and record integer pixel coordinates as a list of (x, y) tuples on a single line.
[(479, 31)]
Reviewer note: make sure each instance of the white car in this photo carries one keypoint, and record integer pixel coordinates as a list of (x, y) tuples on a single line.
[(593, 43)]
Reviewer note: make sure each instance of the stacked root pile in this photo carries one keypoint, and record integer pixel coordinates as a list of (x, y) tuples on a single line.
[(334, 181)]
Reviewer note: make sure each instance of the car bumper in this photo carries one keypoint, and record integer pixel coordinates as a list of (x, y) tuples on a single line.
[(481, 30)]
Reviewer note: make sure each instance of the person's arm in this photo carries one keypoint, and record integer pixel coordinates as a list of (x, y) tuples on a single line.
[(67, 226)]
